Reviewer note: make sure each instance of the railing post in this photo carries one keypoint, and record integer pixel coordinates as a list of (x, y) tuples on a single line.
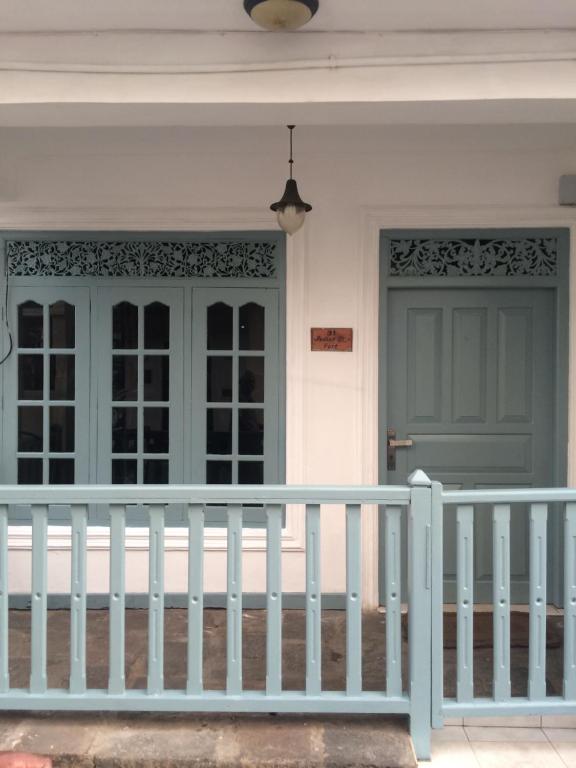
[(420, 611)]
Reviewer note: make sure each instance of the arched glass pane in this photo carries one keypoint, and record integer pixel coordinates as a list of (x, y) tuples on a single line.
[(125, 326), (156, 326), (62, 325), (30, 325), (252, 326), (220, 324)]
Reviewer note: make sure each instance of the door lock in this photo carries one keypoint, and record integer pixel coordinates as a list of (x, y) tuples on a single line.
[(392, 444)]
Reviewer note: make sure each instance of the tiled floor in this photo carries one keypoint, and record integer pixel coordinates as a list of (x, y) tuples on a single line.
[(553, 745)]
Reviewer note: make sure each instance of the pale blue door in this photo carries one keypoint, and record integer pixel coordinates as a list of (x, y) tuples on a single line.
[(471, 382)]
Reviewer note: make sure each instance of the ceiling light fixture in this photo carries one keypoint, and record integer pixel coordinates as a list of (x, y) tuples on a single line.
[(291, 210), (280, 15)]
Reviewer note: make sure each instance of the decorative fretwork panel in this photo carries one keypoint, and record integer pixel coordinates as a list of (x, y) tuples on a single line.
[(474, 256), (94, 258)]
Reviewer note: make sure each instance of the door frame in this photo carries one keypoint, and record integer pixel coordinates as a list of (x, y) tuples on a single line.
[(559, 283)]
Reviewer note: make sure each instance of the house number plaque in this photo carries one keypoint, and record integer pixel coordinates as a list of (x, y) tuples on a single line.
[(331, 339)]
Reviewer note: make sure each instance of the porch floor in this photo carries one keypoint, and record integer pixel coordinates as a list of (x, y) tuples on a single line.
[(100, 739)]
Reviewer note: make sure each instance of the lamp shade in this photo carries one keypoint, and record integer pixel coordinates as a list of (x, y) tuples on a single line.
[(291, 210), (278, 15)]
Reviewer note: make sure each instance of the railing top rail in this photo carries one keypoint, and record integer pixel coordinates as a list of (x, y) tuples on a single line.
[(509, 496), (204, 494)]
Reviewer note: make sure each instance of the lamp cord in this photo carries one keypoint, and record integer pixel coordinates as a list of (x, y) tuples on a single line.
[(291, 161)]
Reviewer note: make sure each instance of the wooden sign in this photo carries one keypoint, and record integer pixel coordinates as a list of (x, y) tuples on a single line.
[(331, 339)]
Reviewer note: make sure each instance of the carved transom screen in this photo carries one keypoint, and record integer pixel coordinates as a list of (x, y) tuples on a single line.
[(95, 258), (473, 256)]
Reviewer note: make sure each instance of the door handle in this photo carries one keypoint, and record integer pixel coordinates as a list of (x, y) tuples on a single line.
[(392, 444)]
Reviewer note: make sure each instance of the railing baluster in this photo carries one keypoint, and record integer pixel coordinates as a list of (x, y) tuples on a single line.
[(570, 601), (501, 604), (537, 642), (353, 600), (4, 602), (274, 600), (156, 600), (78, 600), (38, 682), (234, 602), (393, 571), (465, 601), (194, 685), (313, 602), (116, 680)]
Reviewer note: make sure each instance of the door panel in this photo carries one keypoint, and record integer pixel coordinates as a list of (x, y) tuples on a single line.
[(471, 381)]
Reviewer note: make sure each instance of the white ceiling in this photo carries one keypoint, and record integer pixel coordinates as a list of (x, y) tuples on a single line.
[(334, 15)]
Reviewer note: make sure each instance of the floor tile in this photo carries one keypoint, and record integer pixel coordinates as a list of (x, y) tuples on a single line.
[(561, 735), (452, 755), (505, 734), (520, 721), (567, 753), (453, 721), (518, 755), (449, 733), (558, 721)]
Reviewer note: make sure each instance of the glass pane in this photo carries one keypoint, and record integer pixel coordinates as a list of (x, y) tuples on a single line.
[(219, 430), (251, 379), (62, 377), (156, 377), (62, 332), (29, 471), (30, 377), (219, 380), (250, 472), (156, 326), (219, 472), (251, 431), (220, 325), (125, 326), (61, 428), (124, 471), (124, 377), (155, 471), (156, 430), (30, 428), (30, 323), (124, 430), (61, 471), (251, 326)]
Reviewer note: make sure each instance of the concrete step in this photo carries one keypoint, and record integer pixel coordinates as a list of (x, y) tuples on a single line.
[(143, 740)]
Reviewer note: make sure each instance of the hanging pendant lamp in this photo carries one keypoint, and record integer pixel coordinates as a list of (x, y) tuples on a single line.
[(278, 15), (291, 210)]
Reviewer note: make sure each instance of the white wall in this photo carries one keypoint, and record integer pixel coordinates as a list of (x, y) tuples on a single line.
[(356, 179)]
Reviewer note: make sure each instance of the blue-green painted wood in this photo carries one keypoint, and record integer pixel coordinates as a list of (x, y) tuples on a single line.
[(392, 554), (210, 701), (420, 611), (501, 601), (353, 599), (437, 647), (313, 602), (467, 377), (116, 670), (234, 602), (194, 684), (274, 600), (517, 705), (465, 603), (79, 514), (570, 601), (4, 637), (38, 680), (156, 600), (537, 642)]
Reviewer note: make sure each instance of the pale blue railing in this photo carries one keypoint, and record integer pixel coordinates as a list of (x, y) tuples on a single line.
[(421, 504), (413, 501), (541, 505)]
